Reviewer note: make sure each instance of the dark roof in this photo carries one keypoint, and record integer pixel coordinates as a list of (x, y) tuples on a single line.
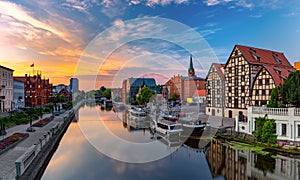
[(138, 82), (6, 68)]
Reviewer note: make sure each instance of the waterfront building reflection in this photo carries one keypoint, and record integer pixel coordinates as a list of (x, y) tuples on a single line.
[(244, 164)]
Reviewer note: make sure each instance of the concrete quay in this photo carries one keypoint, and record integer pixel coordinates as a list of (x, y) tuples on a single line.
[(8, 159)]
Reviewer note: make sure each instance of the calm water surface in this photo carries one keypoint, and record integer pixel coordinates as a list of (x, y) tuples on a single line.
[(97, 155)]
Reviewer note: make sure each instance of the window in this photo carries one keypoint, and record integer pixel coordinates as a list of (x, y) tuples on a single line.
[(299, 131), (256, 103), (283, 129), (277, 58), (242, 89), (236, 92), (263, 92), (260, 82), (236, 82), (243, 68), (243, 78), (256, 92), (236, 103), (229, 89), (236, 52), (243, 99), (230, 99), (218, 83), (236, 71), (267, 81)]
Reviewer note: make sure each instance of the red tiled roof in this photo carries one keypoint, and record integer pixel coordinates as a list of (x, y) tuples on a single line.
[(219, 69), (201, 92), (273, 61), (266, 56), (284, 73)]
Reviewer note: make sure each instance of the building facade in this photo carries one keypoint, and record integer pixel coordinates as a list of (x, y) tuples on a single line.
[(19, 96), (287, 122), (66, 94), (185, 86), (132, 86), (38, 91), (74, 85), (215, 90), (6, 89), (250, 75)]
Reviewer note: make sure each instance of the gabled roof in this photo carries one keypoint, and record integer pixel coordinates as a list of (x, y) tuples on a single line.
[(263, 56), (219, 69), (279, 73), (274, 62)]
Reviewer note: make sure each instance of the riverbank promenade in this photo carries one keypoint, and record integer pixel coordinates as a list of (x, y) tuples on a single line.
[(8, 158)]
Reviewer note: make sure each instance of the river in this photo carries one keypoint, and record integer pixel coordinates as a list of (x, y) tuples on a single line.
[(99, 144)]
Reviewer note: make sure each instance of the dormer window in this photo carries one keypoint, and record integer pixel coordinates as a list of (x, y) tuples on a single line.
[(278, 71), (278, 60), (253, 53)]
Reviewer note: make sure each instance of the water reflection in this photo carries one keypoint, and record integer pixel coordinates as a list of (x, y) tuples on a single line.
[(76, 158), (241, 164)]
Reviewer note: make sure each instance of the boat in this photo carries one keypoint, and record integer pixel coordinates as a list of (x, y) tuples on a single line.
[(137, 114), (192, 127), (170, 117), (106, 104), (167, 127)]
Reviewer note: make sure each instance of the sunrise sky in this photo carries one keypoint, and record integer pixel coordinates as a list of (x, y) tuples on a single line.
[(64, 38)]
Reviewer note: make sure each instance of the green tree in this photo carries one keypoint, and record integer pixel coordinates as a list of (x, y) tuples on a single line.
[(174, 97), (107, 94), (265, 130), (145, 95), (273, 103), (290, 89), (60, 98)]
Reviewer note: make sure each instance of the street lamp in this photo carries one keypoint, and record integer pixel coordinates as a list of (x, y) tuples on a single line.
[(30, 128), (3, 131)]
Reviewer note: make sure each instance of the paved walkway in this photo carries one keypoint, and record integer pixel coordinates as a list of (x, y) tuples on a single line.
[(7, 159)]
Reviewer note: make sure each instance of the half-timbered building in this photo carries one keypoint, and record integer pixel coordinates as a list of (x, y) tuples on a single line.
[(215, 90), (250, 75)]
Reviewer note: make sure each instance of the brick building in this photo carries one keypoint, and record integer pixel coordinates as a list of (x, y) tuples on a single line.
[(38, 91), (185, 86)]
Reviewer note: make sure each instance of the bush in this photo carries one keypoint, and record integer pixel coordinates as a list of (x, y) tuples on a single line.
[(281, 106)]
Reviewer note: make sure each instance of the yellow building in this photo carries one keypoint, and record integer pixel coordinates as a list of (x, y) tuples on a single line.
[(297, 65)]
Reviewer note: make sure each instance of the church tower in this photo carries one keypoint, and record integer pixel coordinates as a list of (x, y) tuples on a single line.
[(191, 71)]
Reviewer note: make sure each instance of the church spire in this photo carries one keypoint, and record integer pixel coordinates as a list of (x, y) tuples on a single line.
[(191, 71)]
